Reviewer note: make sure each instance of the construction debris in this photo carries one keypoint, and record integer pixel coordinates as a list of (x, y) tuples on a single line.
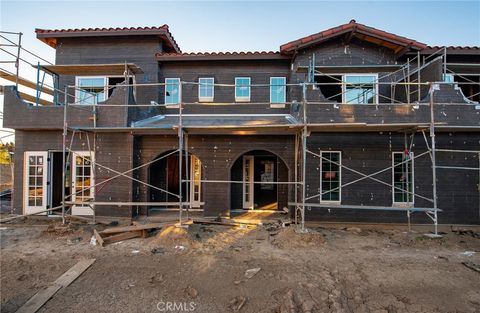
[(472, 266), (191, 292), (252, 272), (158, 250), (117, 234), (466, 232), (237, 303)]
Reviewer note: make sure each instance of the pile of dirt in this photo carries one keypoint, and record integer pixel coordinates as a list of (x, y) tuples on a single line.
[(290, 238), (172, 235)]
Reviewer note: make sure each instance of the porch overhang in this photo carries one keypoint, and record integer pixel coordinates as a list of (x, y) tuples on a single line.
[(91, 69)]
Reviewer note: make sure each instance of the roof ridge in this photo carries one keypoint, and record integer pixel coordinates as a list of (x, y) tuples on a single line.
[(352, 25), (218, 53), (93, 29)]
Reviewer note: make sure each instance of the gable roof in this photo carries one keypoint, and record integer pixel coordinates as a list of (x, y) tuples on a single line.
[(50, 36), (354, 29)]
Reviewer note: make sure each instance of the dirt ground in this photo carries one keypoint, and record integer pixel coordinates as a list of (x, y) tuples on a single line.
[(334, 268)]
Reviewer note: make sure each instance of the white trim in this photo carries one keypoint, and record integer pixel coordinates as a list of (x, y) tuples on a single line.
[(339, 177), (278, 104), (248, 204), (344, 86), (82, 209), (27, 209), (206, 99), (171, 105), (403, 203), (243, 98)]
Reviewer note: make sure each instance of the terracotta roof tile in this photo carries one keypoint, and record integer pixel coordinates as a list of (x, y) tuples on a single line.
[(48, 35), (455, 47), (247, 55), (104, 29)]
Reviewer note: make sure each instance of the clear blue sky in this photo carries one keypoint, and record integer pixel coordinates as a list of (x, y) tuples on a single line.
[(240, 26), (215, 26)]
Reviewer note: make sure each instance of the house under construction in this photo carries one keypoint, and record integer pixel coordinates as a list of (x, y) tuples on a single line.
[(349, 124)]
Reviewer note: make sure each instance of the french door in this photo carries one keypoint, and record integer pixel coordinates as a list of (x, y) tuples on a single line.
[(83, 182), (195, 181), (247, 182), (35, 182)]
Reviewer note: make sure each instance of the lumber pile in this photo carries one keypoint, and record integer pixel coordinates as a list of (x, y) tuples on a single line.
[(116, 234)]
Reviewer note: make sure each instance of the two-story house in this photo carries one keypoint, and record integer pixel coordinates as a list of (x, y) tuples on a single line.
[(349, 124)]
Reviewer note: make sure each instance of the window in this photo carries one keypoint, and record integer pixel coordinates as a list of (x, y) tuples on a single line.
[(242, 89), (360, 89), (277, 89), (448, 78), (330, 176), (205, 89), (172, 90), (402, 177), (90, 90)]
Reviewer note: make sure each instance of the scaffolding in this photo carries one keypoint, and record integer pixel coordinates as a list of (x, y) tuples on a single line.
[(300, 127)]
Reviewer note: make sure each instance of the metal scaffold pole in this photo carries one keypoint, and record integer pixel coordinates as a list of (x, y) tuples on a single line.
[(17, 61), (304, 153), (187, 175), (434, 164), (296, 178), (180, 153), (64, 149)]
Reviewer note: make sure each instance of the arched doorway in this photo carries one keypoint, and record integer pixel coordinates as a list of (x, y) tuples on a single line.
[(164, 174), (260, 171)]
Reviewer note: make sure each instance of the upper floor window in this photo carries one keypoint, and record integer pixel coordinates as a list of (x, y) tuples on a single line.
[(242, 89), (172, 90), (205, 89), (95, 89), (360, 88), (90, 90), (448, 78), (278, 89)]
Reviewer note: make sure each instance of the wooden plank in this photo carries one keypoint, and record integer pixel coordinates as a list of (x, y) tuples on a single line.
[(473, 266), (98, 237), (41, 297), (24, 82), (122, 236), (123, 229), (30, 98)]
